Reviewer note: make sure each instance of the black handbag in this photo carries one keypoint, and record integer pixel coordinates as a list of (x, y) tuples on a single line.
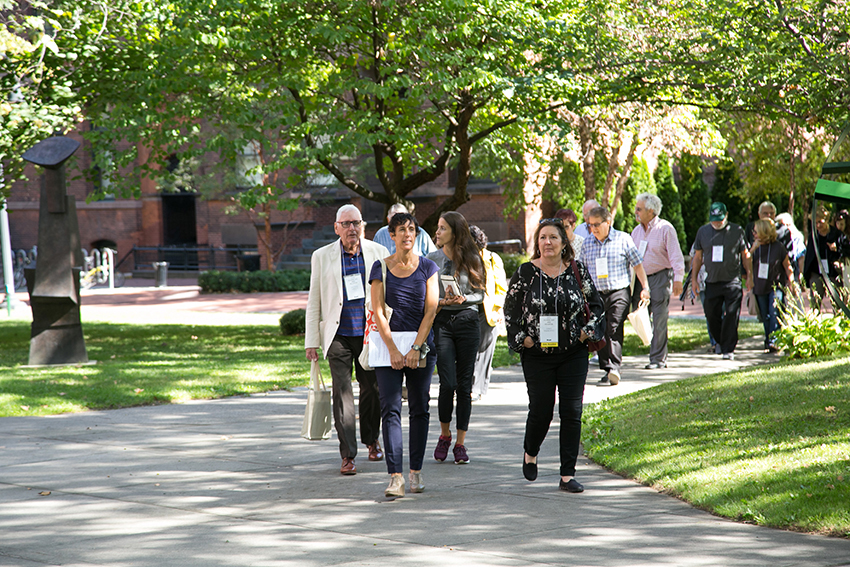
[(592, 346)]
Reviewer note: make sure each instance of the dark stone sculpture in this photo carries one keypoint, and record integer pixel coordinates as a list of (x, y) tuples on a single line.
[(54, 283)]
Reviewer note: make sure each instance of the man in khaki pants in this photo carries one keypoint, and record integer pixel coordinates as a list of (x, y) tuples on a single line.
[(335, 321)]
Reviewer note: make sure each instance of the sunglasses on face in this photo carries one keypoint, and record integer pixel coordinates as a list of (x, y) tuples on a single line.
[(596, 224)]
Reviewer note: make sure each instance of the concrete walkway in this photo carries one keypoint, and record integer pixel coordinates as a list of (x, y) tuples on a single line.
[(231, 482)]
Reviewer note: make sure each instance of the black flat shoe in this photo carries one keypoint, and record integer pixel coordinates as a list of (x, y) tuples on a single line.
[(529, 470), (572, 486)]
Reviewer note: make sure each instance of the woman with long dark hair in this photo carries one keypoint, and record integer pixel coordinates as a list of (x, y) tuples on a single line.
[(551, 310), (456, 328)]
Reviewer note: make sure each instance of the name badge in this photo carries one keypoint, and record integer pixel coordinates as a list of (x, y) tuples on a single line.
[(763, 270), (354, 287), (717, 253), (602, 268), (825, 267), (548, 330), (642, 247)]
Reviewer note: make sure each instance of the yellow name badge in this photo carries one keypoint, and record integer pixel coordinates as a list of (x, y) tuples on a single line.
[(548, 330)]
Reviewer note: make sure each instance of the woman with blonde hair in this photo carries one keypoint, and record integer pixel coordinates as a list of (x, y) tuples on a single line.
[(771, 268)]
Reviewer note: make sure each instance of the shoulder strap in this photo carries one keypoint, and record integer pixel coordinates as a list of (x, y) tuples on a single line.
[(384, 278)]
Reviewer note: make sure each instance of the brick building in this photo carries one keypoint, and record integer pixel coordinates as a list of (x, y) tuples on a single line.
[(174, 220)]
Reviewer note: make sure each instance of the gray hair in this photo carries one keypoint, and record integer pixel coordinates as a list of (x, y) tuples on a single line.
[(588, 206), (600, 213), (768, 205), (346, 208), (651, 202), (395, 209)]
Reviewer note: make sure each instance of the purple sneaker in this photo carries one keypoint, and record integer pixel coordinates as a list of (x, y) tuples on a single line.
[(442, 450), (461, 458)]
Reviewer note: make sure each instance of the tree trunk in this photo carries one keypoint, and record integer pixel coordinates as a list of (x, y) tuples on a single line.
[(624, 176), (588, 153)]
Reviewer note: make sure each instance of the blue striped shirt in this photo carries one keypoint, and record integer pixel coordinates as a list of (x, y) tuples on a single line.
[(352, 320), (621, 253)]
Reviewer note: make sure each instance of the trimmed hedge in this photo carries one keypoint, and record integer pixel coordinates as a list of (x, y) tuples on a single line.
[(249, 282), (512, 263), (293, 322)]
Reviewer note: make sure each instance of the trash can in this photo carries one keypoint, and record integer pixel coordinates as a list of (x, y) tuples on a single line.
[(160, 274)]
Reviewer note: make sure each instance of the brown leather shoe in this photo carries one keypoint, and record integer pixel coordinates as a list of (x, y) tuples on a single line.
[(375, 452), (348, 467)]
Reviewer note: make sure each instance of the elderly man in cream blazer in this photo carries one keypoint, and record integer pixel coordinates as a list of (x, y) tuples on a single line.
[(335, 322)]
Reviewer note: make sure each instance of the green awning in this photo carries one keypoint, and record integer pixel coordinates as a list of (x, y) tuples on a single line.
[(833, 192)]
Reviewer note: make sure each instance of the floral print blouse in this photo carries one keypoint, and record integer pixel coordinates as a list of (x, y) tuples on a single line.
[(532, 293)]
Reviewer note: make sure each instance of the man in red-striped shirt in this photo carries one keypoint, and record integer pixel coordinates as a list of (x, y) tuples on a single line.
[(658, 243)]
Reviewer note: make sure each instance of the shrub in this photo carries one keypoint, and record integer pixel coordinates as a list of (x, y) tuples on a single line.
[(249, 282), (512, 263), (810, 333), (292, 322)]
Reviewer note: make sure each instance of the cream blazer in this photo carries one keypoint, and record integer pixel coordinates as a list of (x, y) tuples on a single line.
[(324, 302)]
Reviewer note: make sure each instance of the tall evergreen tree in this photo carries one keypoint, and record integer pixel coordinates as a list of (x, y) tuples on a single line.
[(693, 192), (640, 181), (729, 190), (669, 195)]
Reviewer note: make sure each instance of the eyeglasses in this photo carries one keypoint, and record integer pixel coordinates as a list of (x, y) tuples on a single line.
[(555, 220), (596, 224), (349, 223)]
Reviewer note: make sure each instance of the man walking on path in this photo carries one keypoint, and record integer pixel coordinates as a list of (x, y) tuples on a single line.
[(583, 229), (721, 246), (608, 254), (658, 244), (335, 321), (423, 245)]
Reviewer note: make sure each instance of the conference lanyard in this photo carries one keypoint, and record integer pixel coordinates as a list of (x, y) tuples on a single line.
[(549, 323)]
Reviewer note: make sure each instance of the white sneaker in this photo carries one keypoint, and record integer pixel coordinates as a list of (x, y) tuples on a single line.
[(614, 377), (396, 487), (417, 484), (729, 356)]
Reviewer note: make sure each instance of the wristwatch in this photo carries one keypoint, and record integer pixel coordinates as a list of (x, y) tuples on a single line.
[(423, 349)]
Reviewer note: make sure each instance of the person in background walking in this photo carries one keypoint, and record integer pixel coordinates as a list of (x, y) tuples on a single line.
[(842, 224), (569, 218), (456, 328), (658, 244), (491, 320), (335, 321), (548, 322), (825, 240), (721, 247), (608, 255), (411, 291), (423, 246), (583, 229), (798, 244), (771, 268)]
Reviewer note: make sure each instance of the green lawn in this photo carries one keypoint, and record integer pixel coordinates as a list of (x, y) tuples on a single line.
[(683, 335), (150, 364), (769, 445)]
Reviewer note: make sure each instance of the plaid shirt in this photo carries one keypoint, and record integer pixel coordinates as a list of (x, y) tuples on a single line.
[(352, 320), (621, 254)]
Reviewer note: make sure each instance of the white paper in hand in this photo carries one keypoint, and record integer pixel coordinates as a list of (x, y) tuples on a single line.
[(379, 354)]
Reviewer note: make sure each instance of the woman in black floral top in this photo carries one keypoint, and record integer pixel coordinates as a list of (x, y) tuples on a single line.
[(547, 325)]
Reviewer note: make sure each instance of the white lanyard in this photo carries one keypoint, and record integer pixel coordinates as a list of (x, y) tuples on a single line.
[(549, 323), (353, 283), (764, 267)]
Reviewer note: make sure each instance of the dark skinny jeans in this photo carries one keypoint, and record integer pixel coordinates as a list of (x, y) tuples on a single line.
[(457, 335), (566, 371)]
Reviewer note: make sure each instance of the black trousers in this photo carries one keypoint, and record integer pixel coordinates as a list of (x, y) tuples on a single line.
[(616, 310), (567, 372), (456, 334), (341, 354), (724, 328)]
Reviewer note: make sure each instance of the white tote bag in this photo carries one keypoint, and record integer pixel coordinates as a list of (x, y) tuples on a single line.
[(371, 322), (639, 318), (317, 416)]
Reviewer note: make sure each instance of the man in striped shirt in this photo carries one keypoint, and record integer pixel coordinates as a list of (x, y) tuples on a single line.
[(608, 255), (658, 244)]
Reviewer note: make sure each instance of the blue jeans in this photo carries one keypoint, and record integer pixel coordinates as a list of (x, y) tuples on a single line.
[(767, 308), (419, 415)]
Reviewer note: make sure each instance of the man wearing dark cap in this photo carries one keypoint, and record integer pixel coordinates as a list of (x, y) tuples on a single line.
[(721, 247)]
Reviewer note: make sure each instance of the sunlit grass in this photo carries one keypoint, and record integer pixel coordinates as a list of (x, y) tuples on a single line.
[(150, 364), (769, 445)]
